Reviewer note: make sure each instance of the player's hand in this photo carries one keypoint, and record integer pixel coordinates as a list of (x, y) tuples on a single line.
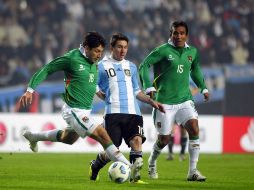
[(152, 94), (157, 105), (26, 99), (206, 96), (161, 108)]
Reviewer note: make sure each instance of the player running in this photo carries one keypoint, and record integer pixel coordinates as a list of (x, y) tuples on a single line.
[(80, 70), (172, 64)]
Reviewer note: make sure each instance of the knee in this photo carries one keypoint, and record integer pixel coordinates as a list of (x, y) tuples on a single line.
[(195, 130), (164, 140), (192, 127), (136, 140)]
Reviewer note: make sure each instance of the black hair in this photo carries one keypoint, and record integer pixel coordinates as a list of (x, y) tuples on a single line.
[(94, 39), (116, 37), (177, 24)]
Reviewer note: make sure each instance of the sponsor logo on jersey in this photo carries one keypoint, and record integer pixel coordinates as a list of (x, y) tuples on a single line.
[(81, 68), (170, 57)]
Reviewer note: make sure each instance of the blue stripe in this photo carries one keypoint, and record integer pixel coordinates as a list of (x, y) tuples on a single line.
[(123, 97)]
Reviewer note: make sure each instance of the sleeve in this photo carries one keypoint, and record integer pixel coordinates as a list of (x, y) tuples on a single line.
[(134, 79), (102, 78), (58, 64), (196, 74), (144, 69)]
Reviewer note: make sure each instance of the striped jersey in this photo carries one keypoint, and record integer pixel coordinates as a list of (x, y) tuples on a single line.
[(118, 81)]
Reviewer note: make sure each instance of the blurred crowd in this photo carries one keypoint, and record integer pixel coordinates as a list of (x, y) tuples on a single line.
[(33, 32)]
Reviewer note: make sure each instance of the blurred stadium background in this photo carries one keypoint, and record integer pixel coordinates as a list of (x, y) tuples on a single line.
[(33, 32)]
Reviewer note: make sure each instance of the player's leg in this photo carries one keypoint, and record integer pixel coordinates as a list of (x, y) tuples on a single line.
[(101, 135), (171, 144), (187, 116), (133, 134), (95, 165), (68, 136), (84, 125), (164, 124), (113, 128), (183, 142), (170, 147)]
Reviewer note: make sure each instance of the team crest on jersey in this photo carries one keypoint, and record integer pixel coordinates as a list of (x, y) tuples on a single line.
[(190, 58), (158, 125), (85, 119), (127, 72)]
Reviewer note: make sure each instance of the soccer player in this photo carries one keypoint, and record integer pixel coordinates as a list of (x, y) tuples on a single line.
[(118, 86), (173, 63), (80, 69)]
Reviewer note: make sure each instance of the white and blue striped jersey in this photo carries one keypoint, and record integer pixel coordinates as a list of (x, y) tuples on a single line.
[(118, 81)]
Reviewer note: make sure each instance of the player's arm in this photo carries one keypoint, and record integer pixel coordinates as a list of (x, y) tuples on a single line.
[(198, 77), (144, 71), (146, 99), (140, 95), (57, 64), (101, 95)]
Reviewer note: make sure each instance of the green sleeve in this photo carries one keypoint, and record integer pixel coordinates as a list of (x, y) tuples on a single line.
[(144, 69), (58, 64), (196, 74)]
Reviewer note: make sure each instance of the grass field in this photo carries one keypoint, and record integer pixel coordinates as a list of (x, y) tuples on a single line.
[(70, 171)]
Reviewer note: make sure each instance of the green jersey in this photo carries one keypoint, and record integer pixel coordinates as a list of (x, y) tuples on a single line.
[(80, 78), (172, 68)]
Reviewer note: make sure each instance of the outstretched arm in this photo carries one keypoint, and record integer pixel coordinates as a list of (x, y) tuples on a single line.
[(146, 99)]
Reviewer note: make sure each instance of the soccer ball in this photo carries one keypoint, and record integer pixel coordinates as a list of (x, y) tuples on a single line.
[(119, 172)]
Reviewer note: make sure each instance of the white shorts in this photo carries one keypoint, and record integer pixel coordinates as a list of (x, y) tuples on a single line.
[(79, 120), (178, 113)]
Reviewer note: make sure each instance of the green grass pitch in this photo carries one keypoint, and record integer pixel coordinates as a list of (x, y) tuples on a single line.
[(41, 171)]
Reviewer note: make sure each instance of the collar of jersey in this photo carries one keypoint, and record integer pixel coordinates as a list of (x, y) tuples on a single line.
[(110, 58), (172, 44), (82, 50)]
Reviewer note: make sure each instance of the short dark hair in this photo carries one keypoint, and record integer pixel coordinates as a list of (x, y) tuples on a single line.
[(177, 24), (116, 37), (93, 39)]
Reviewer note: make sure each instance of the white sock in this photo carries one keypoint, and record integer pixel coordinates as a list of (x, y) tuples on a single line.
[(115, 155), (194, 149), (154, 154), (46, 135)]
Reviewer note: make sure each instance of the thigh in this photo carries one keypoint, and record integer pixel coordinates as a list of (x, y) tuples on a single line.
[(132, 126), (79, 120), (113, 127), (186, 112), (164, 121)]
